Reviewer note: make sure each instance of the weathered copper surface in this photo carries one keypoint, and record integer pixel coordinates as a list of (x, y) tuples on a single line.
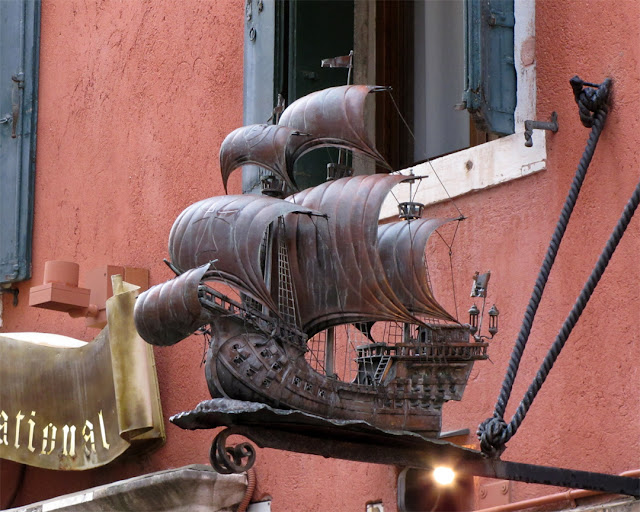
[(401, 246), (342, 250), (358, 441), (80, 407), (171, 311), (334, 117), (314, 261), (247, 364), (267, 145), (343, 269), (228, 232)]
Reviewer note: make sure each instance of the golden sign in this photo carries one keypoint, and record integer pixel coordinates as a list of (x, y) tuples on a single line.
[(81, 406)]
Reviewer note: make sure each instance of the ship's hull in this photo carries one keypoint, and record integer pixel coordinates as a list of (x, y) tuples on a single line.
[(246, 364)]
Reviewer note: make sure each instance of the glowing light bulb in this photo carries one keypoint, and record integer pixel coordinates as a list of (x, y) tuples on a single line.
[(444, 475)]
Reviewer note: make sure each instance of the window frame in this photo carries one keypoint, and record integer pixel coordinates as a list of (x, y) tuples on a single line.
[(485, 165), (495, 162)]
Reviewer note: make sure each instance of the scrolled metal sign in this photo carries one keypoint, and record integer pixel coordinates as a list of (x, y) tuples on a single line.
[(66, 404)]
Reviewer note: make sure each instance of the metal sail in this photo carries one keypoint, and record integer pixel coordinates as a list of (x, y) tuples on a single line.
[(169, 312), (228, 231), (332, 117), (338, 273), (267, 145), (401, 246)]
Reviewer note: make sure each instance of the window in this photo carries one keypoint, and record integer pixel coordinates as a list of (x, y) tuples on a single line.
[(453, 67), (19, 44)]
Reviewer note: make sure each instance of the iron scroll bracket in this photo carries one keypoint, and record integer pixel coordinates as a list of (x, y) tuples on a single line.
[(300, 432), (391, 449)]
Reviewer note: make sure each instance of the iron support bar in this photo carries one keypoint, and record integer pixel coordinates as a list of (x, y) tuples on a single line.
[(409, 451)]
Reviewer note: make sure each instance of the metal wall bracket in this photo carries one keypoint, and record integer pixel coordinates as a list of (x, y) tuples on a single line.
[(529, 126), (300, 432), (414, 453), (13, 291)]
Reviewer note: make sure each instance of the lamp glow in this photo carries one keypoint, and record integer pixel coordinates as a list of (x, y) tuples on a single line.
[(443, 475)]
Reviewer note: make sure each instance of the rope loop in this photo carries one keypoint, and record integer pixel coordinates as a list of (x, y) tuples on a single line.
[(491, 433), (590, 98), (494, 433)]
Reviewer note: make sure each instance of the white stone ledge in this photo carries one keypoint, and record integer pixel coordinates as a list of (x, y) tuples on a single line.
[(469, 170)]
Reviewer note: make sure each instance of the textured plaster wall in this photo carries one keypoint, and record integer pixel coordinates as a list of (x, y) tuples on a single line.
[(587, 415), (135, 99)]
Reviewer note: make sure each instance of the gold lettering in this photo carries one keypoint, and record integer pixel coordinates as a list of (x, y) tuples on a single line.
[(103, 431), (71, 452), (32, 425), (89, 438), (4, 428), (45, 437), (19, 418)]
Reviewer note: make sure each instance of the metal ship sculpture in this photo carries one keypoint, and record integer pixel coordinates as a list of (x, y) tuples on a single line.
[(283, 284)]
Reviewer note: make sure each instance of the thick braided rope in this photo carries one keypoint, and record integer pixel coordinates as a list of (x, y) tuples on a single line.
[(493, 432), (576, 311)]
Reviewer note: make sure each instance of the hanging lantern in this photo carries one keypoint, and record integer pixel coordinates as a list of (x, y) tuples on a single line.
[(474, 312), (272, 185), (410, 210), (493, 320)]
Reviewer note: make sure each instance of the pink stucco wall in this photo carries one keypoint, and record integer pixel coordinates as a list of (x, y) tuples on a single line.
[(135, 99), (587, 415)]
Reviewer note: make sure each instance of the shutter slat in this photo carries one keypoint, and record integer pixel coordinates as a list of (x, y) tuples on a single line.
[(19, 51), (490, 93)]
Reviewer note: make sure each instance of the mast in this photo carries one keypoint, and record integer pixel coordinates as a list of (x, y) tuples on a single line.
[(287, 301)]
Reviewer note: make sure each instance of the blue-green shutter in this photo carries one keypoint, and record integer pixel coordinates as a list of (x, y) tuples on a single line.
[(490, 88), (19, 50), (259, 66)]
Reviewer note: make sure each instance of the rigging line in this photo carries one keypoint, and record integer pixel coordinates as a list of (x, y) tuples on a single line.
[(429, 160), (394, 196), (239, 292), (393, 100), (314, 355), (450, 247), (494, 432), (413, 267), (443, 240), (415, 194), (444, 188), (453, 281)]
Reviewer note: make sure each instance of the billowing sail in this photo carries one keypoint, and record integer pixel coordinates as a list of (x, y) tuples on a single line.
[(267, 145), (227, 232), (401, 246), (338, 274), (332, 117), (169, 312)]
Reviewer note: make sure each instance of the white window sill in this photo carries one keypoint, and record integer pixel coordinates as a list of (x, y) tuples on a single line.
[(469, 170)]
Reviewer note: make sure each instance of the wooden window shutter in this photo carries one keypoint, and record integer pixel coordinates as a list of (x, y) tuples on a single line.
[(490, 88), (19, 51)]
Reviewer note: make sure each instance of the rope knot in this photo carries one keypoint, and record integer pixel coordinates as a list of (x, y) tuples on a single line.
[(491, 434), (590, 98)]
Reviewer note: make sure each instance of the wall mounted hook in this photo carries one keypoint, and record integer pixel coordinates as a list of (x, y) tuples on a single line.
[(529, 126)]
